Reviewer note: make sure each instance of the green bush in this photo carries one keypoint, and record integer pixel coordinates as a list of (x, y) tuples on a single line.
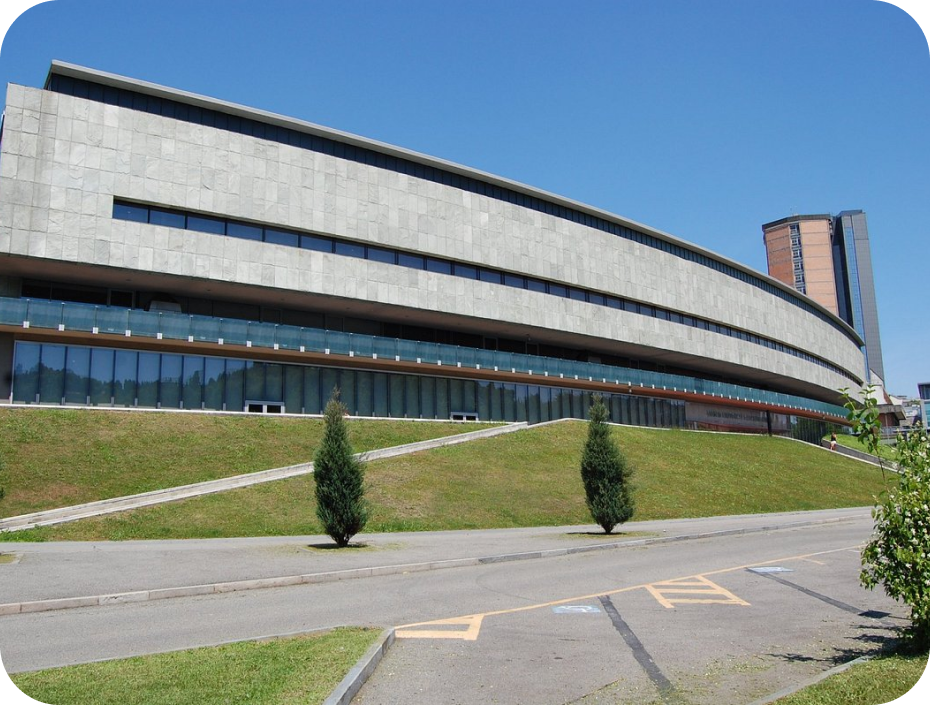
[(339, 479), (898, 554), (605, 472)]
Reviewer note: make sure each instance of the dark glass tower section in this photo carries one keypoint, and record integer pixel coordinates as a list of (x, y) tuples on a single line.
[(855, 288)]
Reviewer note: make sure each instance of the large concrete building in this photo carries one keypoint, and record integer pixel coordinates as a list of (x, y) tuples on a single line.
[(167, 250), (828, 258)]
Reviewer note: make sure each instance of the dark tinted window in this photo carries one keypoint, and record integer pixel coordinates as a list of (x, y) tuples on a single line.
[(514, 281), (597, 299), (415, 261), (137, 214), (558, 290), (160, 217), (466, 271), (577, 294), (280, 237), (350, 249), (438, 265), (316, 242), (489, 276), (379, 254), (243, 231), (535, 285), (206, 225)]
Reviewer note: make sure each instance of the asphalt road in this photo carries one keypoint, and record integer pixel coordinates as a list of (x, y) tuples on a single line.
[(687, 621)]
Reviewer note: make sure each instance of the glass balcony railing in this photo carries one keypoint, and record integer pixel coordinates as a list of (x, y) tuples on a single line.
[(29, 313)]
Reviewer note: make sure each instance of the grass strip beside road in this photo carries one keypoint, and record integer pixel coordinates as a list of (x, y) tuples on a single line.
[(878, 681), (287, 671)]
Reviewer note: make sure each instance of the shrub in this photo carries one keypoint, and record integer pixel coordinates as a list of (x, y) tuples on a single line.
[(605, 472), (339, 479), (898, 554)]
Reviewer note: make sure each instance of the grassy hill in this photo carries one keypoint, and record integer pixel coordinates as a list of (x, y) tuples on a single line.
[(59, 457), (526, 479)]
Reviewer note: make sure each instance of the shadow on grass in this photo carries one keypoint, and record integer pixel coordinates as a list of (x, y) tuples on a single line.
[(614, 535), (334, 547)]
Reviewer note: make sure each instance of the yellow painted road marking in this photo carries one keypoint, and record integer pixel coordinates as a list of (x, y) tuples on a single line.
[(470, 633), (474, 620), (811, 560), (710, 593)]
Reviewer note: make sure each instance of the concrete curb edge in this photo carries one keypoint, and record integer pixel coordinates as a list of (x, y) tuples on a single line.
[(361, 672)]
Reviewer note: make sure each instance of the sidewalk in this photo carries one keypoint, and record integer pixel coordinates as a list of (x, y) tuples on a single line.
[(56, 571)]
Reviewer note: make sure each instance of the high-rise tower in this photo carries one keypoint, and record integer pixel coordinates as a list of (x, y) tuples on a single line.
[(828, 258)]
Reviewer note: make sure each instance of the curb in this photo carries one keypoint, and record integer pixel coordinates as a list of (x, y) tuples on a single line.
[(361, 672), (65, 603)]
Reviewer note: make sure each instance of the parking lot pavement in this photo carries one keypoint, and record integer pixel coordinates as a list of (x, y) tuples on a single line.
[(698, 611), (731, 635)]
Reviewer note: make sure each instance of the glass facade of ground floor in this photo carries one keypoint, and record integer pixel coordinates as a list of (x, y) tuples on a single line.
[(48, 373)]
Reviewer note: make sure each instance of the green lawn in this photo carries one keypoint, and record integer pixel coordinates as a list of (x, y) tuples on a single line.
[(59, 457), (287, 671), (872, 683), (530, 478)]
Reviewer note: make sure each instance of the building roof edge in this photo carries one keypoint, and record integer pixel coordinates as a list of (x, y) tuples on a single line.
[(103, 77)]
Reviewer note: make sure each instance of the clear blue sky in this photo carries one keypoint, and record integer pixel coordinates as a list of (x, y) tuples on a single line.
[(703, 119)]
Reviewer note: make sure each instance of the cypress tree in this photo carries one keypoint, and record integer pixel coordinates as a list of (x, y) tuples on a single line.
[(605, 472), (339, 477)]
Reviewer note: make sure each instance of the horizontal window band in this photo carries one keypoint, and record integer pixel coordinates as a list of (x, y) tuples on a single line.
[(218, 225)]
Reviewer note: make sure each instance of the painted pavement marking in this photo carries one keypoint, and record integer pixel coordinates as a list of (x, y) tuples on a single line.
[(701, 590), (472, 622)]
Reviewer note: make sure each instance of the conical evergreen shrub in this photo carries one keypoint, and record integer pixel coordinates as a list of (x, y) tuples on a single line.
[(605, 472), (339, 476)]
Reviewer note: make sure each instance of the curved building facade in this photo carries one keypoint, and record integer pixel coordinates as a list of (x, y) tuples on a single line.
[(156, 244)]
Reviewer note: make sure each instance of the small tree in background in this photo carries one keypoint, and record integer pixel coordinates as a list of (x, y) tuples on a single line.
[(605, 472), (339, 477)]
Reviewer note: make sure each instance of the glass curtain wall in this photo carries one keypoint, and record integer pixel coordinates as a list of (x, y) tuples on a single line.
[(63, 374)]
